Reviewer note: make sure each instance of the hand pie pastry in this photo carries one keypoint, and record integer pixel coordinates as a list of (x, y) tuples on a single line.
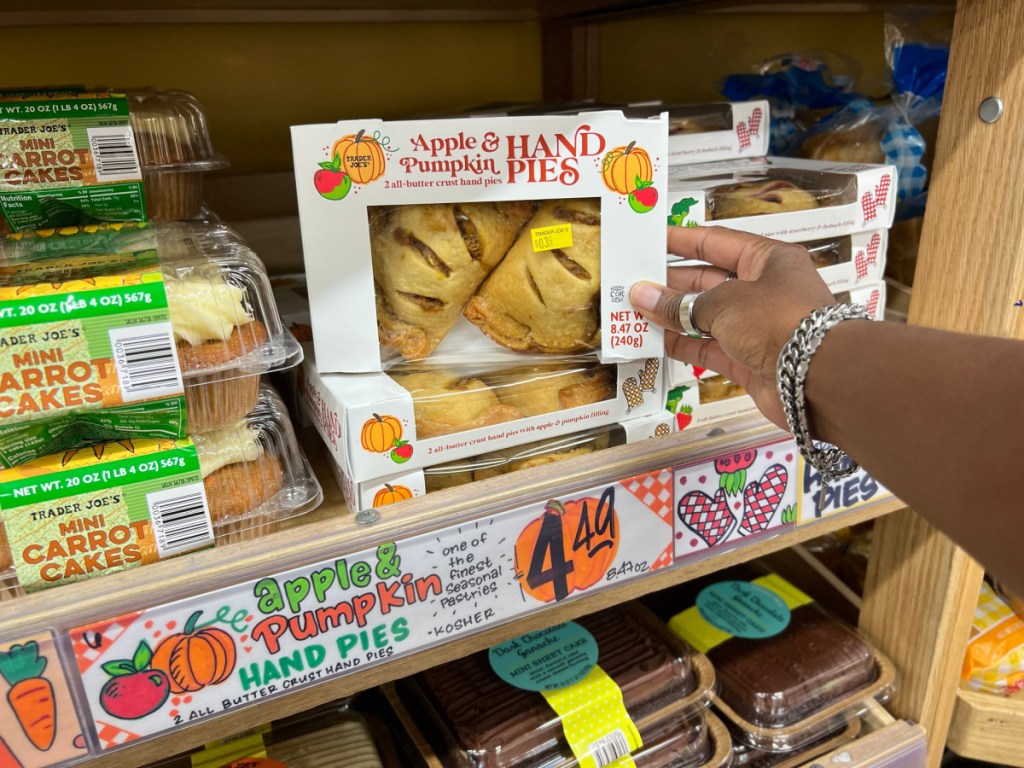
[(718, 388), (546, 301), (538, 390), (754, 198), (535, 455), (444, 403), (428, 260)]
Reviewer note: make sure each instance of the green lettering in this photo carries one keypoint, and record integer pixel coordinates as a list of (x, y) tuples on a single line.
[(361, 574), (380, 636), (291, 664), (322, 581), (345, 644), (270, 672), (249, 676), (268, 593), (389, 564), (315, 655), (400, 629), (297, 590)]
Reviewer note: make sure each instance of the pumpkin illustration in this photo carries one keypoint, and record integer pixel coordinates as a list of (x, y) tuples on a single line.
[(362, 157), (389, 494), (195, 658), (588, 533), (624, 169), (380, 433)]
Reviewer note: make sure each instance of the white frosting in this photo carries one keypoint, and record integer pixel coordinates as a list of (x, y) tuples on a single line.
[(203, 310), (227, 445)]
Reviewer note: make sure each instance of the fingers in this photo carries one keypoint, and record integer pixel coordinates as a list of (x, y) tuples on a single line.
[(726, 249), (704, 353), (659, 304), (690, 279)]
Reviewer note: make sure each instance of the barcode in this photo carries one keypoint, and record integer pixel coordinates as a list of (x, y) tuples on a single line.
[(146, 361), (113, 154), (181, 519), (610, 748)]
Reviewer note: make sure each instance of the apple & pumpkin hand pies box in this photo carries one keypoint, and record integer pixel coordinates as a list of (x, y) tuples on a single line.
[(110, 332), (783, 198), (481, 239), (112, 506), (378, 424), (371, 494)]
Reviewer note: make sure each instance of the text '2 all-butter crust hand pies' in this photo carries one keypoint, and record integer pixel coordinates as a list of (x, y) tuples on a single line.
[(546, 301), (428, 260)]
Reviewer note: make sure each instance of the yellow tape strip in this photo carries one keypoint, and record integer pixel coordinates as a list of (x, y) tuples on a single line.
[(596, 724), (703, 636), (225, 751)]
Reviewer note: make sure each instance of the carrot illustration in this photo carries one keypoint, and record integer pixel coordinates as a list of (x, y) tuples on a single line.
[(31, 695), (7, 757)]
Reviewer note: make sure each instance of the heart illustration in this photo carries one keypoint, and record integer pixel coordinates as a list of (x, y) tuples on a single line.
[(709, 518), (882, 191), (873, 303), (860, 261), (755, 121), (761, 498), (743, 134), (873, 246), (867, 203)]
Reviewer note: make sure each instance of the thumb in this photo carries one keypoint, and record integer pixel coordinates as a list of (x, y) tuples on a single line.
[(662, 305)]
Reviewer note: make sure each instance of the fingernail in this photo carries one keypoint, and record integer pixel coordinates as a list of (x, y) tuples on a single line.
[(645, 296)]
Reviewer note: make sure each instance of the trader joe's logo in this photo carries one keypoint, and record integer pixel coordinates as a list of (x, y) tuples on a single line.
[(354, 159)]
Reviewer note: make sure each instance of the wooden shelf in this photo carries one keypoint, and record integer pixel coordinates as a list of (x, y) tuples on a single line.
[(988, 727), (105, 12)]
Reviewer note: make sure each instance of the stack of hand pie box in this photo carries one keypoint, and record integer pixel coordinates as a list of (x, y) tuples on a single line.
[(468, 288), (841, 212), (133, 422)]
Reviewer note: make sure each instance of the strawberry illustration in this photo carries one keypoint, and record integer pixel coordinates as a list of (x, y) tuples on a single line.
[(683, 417), (698, 371), (707, 517), (732, 470), (762, 498)]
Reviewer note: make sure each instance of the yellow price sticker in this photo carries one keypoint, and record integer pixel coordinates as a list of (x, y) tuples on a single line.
[(549, 238)]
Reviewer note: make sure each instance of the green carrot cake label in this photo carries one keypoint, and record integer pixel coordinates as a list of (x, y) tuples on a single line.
[(85, 356), (102, 509), (68, 159)]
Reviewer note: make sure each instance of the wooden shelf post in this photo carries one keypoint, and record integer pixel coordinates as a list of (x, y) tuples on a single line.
[(921, 589)]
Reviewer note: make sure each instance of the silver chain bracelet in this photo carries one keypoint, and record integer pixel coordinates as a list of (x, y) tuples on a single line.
[(791, 373)]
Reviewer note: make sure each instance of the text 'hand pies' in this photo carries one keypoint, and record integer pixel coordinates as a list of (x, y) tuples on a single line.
[(427, 262), (546, 301)]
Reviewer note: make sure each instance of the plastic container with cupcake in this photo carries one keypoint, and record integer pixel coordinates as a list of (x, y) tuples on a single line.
[(126, 503), (470, 712), (789, 673), (783, 198), (168, 148), (372, 494), (155, 333)]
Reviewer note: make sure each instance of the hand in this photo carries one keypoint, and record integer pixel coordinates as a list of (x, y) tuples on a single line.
[(751, 318)]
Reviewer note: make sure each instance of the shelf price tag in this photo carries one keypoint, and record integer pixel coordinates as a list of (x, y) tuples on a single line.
[(208, 654)]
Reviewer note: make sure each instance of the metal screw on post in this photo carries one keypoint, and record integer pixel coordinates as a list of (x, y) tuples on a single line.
[(991, 109)]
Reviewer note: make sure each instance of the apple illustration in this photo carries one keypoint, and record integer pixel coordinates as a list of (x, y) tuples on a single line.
[(331, 181), (134, 690), (644, 197), (402, 452)]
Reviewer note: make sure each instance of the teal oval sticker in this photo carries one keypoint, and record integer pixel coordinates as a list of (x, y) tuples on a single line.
[(743, 609), (551, 658)]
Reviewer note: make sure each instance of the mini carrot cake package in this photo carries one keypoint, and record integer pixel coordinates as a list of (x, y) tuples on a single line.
[(481, 239), (783, 198), (130, 332), (113, 506), (378, 424)]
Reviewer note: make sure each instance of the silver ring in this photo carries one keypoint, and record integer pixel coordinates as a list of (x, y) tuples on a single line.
[(686, 317), (731, 276)]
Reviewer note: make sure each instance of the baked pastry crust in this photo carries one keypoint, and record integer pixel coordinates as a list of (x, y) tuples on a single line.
[(535, 391), (599, 442), (754, 198), (861, 144), (427, 262), (546, 301), (444, 403)]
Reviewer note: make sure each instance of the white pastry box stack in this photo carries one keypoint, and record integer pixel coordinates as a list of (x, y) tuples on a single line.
[(468, 283)]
